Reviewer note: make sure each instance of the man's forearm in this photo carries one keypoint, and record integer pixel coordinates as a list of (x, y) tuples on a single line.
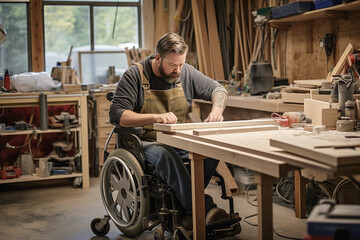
[(219, 99), (133, 119)]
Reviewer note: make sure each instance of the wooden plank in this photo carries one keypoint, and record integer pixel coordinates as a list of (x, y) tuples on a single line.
[(244, 34), (202, 125), (357, 101), (312, 109), (214, 42), (314, 94), (311, 148), (231, 186), (198, 15), (312, 82), (294, 97), (341, 63), (329, 116), (161, 18), (238, 31), (202, 132)]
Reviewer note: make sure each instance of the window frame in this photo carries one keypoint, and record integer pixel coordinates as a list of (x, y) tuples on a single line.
[(91, 15)]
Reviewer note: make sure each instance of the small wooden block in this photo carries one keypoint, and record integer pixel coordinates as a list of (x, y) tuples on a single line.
[(71, 88)]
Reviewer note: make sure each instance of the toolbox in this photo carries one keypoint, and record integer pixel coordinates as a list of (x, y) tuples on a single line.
[(328, 220), (326, 3), (8, 172), (291, 9)]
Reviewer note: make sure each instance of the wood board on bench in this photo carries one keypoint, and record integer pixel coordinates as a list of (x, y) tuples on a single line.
[(202, 125), (334, 154)]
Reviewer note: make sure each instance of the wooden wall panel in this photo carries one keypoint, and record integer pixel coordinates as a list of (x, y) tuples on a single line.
[(302, 65)]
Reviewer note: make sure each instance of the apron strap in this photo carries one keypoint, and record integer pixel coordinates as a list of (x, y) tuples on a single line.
[(144, 80)]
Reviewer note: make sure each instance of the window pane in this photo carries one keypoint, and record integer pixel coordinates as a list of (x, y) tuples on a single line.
[(65, 26), (125, 20), (14, 52), (94, 66)]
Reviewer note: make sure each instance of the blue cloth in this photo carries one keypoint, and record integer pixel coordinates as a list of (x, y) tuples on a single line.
[(169, 162)]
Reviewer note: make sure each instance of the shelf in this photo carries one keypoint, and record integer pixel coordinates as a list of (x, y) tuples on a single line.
[(38, 131), (340, 10), (30, 178)]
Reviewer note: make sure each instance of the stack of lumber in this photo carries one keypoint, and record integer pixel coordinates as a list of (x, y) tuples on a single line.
[(302, 89)]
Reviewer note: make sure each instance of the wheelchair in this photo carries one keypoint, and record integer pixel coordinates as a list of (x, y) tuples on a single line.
[(136, 198)]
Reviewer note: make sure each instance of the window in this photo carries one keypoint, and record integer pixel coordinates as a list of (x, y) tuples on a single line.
[(89, 26), (14, 52)]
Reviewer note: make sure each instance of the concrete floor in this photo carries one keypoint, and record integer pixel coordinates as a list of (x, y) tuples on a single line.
[(55, 210)]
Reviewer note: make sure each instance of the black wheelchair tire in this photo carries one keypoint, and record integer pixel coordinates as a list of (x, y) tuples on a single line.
[(125, 160)]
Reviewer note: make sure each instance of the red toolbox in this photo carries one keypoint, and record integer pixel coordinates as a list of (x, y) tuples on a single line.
[(10, 172)]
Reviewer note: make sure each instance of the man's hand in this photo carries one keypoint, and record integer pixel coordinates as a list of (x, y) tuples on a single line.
[(219, 99), (215, 116), (167, 118)]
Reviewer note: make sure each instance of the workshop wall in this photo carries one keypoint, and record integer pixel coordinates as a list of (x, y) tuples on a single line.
[(302, 64)]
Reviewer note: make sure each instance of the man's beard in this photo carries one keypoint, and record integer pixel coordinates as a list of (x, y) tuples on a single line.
[(170, 78)]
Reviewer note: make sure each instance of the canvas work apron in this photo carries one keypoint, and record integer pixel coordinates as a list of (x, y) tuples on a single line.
[(162, 101)]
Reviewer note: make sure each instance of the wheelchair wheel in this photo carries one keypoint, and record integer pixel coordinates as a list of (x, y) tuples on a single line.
[(124, 197), (99, 232)]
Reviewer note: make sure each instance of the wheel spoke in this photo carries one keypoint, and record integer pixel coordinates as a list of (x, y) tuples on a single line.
[(130, 200), (115, 183), (125, 211)]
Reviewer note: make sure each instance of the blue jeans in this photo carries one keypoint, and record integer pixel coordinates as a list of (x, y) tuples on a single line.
[(169, 162)]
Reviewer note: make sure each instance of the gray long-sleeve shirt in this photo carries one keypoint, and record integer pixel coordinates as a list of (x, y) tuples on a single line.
[(129, 94)]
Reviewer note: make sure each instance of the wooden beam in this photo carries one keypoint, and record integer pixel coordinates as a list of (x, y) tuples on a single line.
[(230, 184), (202, 132), (202, 125), (341, 63), (161, 18), (37, 36), (202, 41), (320, 150), (214, 42)]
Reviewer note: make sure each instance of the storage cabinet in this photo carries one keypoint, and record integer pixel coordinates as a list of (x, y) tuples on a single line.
[(18, 101), (101, 129)]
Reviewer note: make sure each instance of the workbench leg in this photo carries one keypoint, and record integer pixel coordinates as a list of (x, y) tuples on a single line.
[(198, 198), (84, 142), (265, 207), (300, 196)]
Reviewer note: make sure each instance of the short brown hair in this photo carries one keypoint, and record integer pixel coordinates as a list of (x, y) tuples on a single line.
[(171, 43)]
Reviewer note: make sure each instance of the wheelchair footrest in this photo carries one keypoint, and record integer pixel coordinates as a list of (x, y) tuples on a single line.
[(227, 228), (222, 224)]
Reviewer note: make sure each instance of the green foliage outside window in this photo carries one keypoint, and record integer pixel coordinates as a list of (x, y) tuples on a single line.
[(14, 52)]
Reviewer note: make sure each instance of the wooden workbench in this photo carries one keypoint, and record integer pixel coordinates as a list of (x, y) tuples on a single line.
[(250, 150)]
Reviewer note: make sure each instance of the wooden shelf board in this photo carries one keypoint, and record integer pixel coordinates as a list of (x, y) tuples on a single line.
[(30, 178), (319, 13), (15, 132)]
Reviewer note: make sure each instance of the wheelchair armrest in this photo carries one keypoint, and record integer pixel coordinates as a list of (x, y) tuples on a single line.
[(129, 130)]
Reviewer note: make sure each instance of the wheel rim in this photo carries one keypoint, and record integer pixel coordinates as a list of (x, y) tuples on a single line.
[(119, 192)]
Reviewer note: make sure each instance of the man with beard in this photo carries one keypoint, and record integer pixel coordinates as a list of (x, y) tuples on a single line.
[(160, 89)]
